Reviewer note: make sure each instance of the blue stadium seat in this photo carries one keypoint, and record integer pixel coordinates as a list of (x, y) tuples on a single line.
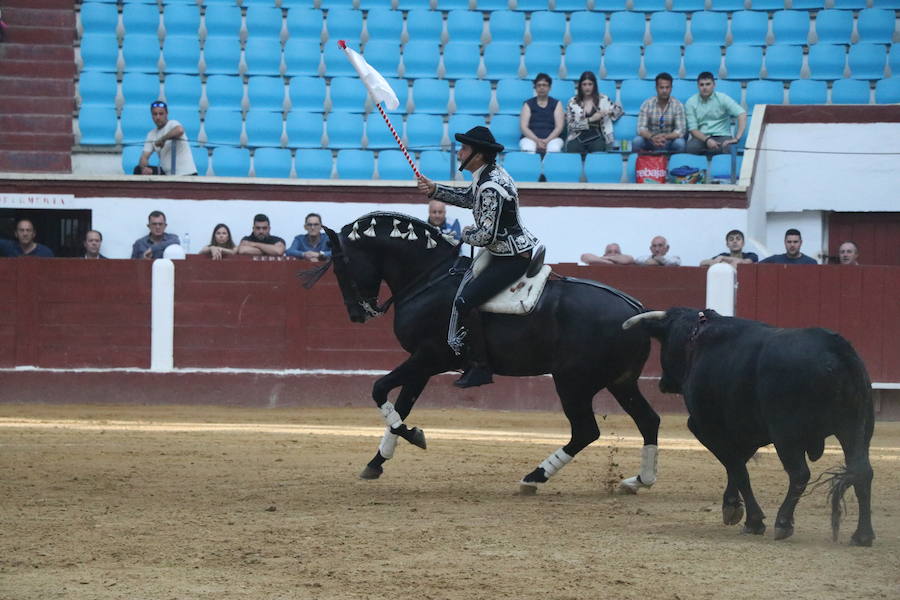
[(225, 91), (807, 4), (181, 54), (461, 60), (393, 165), (587, 27), (749, 27), (490, 5), (307, 94), (99, 18), (720, 168), (682, 89), (355, 164), (783, 62), (421, 59), (266, 93), (627, 27), (850, 91), (808, 91), (465, 26), (336, 63), (523, 166), (570, 5), (887, 91), (730, 88), (849, 4), (610, 6), (182, 19), (709, 27), (344, 129), (189, 119), (698, 161), (767, 5), (436, 164), (472, 96), (424, 132), (625, 128), (726, 5), (791, 27), (603, 167), (691, 6), (875, 25), (562, 167), (263, 56), (826, 61), (512, 93), (501, 60), (760, 91), (140, 88), (264, 21), (141, 53), (328, 4), (606, 87), (581, 57), (431, 96), (630, 168), (348, 94), (135, 122), (634, 92), (889, 4), (304, 23), (344, 24), (452, 4), (531, 5), (668, 27), (507, 26), (460, 123), (223, 127), (378, 134), (131, 155), (141, 19), (423, 24), (222, 55), (383, 56), (304, 130), (542, 57), (231, 162), (384, 24), (97, 88), (649, 5), (313, 163), (622, 61), (272, 162), (660, 58), (506, 130), (701, 57), (547, 27), (834, 26), (264, 128), (222, 20), (183, 92), (302, 57), (98, 125), (894, 59), (867, 61), (401, 89), (743, 61)]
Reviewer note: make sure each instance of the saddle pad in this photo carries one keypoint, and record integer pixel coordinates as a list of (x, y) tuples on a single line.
[(520, 297)]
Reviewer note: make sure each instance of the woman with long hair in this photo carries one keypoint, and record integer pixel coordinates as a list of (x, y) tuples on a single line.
[(589, 117), (220, 243)]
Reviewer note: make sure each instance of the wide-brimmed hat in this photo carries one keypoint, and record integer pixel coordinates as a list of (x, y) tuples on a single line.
[(480, 138)]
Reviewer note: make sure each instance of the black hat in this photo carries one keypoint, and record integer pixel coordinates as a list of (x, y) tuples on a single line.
[(480, 138)]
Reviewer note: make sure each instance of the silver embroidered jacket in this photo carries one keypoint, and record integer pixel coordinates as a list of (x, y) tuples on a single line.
[(495, 205)]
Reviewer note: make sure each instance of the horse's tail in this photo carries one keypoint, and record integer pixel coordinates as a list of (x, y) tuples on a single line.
[(309, 277)]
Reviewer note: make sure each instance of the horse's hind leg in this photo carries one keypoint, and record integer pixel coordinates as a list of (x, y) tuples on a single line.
[(632, 401)]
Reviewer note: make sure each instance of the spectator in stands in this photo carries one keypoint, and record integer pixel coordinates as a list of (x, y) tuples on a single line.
[(661, 122), (612, 255), (93, 239), (589, 117), (542, 119), (221, 244), (792, 243), (25, 244), (437, 216), (659, 249), (153, 245), (734, 240), (261, 241), (709, 115), (848, 253), (169, 139), (312, 245)]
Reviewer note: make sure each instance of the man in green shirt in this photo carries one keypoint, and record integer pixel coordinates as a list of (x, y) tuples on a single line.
[(709, 115)]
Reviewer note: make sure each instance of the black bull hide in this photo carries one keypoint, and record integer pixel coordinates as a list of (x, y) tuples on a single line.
[(747, 384)]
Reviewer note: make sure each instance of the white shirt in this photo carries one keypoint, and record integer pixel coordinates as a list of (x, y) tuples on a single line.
[(184, 160)]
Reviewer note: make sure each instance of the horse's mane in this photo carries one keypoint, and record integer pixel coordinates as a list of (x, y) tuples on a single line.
[(361, 224)]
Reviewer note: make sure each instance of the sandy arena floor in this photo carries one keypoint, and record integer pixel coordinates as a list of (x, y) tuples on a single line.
[(201, 502)]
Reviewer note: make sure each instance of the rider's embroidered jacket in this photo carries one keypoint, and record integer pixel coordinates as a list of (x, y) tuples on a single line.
[(495, 205)]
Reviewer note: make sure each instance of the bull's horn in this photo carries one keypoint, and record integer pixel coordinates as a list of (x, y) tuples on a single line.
[(653, 314)]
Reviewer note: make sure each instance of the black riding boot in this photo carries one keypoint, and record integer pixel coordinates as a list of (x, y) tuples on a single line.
[(478, 372)]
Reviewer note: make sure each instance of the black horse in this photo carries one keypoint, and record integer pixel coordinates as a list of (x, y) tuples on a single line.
[(574, 333)]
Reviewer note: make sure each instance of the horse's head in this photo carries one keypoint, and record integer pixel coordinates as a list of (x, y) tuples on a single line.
[(357, 277)]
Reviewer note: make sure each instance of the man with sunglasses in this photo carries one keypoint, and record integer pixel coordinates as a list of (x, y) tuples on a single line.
[(170, 141), (661, 122)]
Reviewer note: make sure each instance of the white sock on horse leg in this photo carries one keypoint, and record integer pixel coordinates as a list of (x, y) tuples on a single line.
[(555, 462), (390, 414), (388, 444), (649, 463)]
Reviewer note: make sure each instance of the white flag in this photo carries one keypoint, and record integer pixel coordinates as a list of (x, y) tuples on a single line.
[(377, 86)]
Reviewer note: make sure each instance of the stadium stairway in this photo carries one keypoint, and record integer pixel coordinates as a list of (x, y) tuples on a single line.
[(37, 82)]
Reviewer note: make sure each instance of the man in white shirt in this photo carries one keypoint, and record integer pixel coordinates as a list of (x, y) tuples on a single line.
[(170, 141), (659, 249)]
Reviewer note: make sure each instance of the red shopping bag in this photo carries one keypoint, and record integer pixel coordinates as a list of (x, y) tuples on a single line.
[(651, 168)]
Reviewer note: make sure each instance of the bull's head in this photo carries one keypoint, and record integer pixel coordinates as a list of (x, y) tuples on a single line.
[(358, 277)]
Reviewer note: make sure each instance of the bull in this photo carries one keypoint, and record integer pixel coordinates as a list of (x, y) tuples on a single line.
[(747, 384)]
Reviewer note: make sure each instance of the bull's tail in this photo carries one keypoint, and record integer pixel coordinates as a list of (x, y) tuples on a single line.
[(838, 479)]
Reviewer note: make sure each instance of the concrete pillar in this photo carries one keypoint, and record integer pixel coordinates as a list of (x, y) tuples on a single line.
[(721, 286), (162, 319)]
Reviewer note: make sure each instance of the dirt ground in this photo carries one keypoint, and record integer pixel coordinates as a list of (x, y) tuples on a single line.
[(201, 502)]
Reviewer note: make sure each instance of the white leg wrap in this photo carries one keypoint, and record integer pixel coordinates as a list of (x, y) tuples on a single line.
[(647, 476), (388, 444), (391, 416), (555, 462)]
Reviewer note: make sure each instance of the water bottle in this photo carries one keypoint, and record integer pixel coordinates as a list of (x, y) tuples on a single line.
[(186, 243)]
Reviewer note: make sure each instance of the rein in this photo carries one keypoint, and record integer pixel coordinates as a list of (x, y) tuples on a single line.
[(410, 290)]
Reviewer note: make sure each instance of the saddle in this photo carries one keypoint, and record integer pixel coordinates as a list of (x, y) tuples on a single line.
[(521, 297)]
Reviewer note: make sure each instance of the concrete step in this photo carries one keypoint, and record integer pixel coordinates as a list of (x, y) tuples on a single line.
[(44, 161), (28, 141), (56, 36), (36, 86), (33, 68), (39, 105), (35, 123), (42, 52), (64, 5), (17, 17)]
